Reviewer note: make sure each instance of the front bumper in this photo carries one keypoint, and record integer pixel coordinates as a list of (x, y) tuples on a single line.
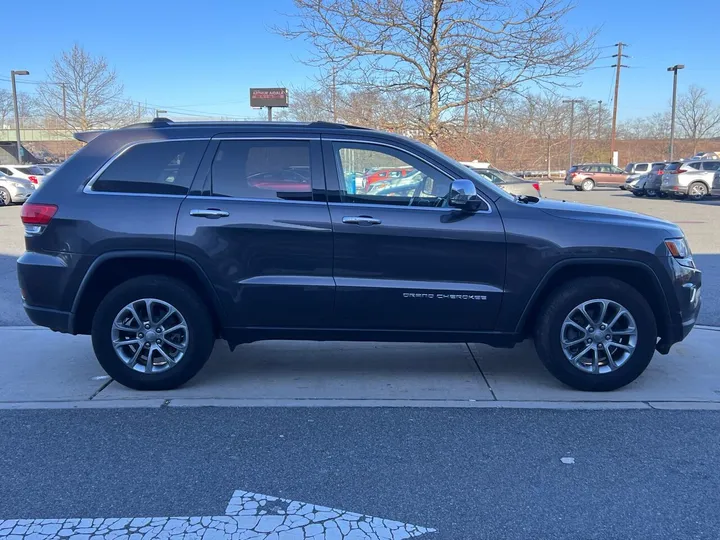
[(687, 286)]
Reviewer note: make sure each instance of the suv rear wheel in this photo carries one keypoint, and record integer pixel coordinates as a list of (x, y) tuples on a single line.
[(697, 191), (596, 334), (152, 333), (577, 188), (587, 185)]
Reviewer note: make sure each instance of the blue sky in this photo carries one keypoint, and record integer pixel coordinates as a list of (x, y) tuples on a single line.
[(203, 56)]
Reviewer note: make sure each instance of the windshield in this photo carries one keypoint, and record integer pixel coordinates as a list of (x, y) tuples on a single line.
[(37, 171), (629, 167)]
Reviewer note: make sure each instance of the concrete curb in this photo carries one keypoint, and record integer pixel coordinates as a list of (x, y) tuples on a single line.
[(356, 403)]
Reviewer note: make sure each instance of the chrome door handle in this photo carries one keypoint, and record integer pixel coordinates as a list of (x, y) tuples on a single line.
[(361, 220), (212, 213)]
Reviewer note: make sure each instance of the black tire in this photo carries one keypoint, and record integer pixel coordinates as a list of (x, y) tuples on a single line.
[(651, 193), (588, 184), (563, 301), (201, 334), (5, 198), (697, 191), (577, 188), (638, 193)]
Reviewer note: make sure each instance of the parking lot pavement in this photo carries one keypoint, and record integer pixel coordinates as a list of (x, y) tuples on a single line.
[(44, 369), (495, 474)]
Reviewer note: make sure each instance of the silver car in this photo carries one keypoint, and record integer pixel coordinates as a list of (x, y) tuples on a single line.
[(14, 190), (692, 179), (508, 182)]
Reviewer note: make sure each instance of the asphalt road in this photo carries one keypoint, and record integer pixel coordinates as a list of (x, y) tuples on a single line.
[(468, 473), (698, 220)]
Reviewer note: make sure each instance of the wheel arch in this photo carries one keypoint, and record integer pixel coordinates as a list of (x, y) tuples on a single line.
[(113, 268), (635, 273)]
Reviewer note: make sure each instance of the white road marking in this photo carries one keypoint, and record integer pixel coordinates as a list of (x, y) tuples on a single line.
[(249, 516), (568, 460)]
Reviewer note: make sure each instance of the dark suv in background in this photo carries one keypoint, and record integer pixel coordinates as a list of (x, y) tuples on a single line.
[(160, 238)]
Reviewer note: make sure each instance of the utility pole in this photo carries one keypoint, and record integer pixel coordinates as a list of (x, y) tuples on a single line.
[(466, 119), (599, 128), (548, 156), (65, 122), (17, 113), (674, 69), (572, 103), (334, 96), (617, 67)]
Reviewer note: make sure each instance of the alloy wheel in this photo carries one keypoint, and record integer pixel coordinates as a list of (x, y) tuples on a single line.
[(697, 191), (150, 335), (598, 336)]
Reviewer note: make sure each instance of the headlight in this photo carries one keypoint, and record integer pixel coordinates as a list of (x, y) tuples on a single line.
[(680, 251)]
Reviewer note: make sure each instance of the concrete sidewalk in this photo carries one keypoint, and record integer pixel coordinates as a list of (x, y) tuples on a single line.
[(39, 368)]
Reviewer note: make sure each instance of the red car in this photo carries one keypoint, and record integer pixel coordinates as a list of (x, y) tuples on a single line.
[(384, 174)]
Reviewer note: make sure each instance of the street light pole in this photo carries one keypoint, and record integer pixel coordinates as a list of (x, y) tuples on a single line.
[(17, 114), (572, 103), (674, 69), (158, 112)]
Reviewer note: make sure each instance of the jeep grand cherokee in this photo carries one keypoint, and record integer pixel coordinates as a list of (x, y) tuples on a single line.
[(160, 238)]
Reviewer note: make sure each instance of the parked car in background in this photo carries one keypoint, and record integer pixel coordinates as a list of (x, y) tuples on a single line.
[(635, 171), (48, 168), (586, 176), (654, 179), (33, 173), (508, 182), (692, 179), (14, 190)]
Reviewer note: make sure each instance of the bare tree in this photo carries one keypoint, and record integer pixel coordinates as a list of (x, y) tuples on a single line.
[(94, 93), (428, 49), (6, 107), (697, 116)]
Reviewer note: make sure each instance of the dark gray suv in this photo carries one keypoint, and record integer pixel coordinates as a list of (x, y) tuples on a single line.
[(160, 238)]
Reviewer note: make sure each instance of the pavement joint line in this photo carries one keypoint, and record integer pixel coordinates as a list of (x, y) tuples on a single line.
[(102, 387), (492, 392)]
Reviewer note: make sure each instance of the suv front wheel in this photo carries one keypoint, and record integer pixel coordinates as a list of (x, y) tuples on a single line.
[(152, 333), (596, 334)]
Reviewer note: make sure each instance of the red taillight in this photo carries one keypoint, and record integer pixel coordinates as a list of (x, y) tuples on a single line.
[(573, 174), (37, 214), (661, 171), (536, 185), (680, 171), (33, 179)]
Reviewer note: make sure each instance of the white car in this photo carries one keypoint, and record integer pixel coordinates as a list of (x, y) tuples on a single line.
[(26, 172), (508, 182)]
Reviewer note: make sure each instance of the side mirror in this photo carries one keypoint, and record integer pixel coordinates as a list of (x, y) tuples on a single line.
[(464, 195)]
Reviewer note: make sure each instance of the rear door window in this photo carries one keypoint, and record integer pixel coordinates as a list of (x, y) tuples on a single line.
[(711, 165), (256, 169), (165, 168), (640, 167)]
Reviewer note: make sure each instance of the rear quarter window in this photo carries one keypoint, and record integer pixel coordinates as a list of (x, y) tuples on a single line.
[(641, 167), (165, 168)]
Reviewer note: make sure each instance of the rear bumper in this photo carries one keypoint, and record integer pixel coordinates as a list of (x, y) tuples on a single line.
[(674, 188), (59, 321)]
